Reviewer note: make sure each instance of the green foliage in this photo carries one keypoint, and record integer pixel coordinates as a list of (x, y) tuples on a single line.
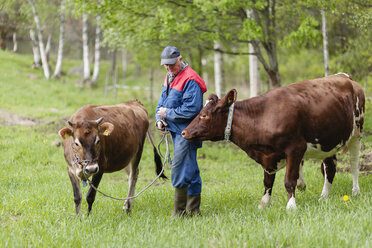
[(307, 33)]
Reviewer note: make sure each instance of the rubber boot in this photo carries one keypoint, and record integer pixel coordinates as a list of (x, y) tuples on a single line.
[(180, 199), (193, 205)]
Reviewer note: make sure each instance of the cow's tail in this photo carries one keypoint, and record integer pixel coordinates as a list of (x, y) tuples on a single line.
[(157, 159)]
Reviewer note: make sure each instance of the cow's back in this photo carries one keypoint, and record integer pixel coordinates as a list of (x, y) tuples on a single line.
[(130, 120), (321, 110)]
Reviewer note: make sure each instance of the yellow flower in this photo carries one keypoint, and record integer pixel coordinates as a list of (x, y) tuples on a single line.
[(345, 197)]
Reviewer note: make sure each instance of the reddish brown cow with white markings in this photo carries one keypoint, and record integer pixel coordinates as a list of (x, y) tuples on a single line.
[(104, 139), (310, 119)]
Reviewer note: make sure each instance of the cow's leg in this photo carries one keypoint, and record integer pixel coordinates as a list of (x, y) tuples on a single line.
[(91, 195), (328, 169), (268, 183), (132, 180), (77, 190), (301, 185), (354, 148), (292, 174)]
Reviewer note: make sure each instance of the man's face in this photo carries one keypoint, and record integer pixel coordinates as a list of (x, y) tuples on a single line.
[(173, 69)]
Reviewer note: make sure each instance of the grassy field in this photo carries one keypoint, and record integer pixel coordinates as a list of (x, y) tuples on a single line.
[(36, 199)]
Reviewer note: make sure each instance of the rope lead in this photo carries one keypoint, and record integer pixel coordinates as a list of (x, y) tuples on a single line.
[(166, 158)]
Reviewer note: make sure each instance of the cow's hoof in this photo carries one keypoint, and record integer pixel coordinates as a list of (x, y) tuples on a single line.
[(323, 198), (263, 206), (127, 207), (356, 191), (301, 187), (126, 210), (265, 201), (291, 204), (324, 195)]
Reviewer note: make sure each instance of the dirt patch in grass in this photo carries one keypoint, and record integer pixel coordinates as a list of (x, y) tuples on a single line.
[(8, 119), (365, 165)]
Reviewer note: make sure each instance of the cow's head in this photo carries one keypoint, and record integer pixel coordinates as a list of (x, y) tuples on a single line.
[(86, 144), (211, 122)]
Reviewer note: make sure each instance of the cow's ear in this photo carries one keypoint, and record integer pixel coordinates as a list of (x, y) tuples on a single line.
[(65, 132), (106, 128), (230, 97)]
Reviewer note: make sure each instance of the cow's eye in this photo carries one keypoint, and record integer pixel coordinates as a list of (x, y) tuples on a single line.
[(76, 144), (203, 116)]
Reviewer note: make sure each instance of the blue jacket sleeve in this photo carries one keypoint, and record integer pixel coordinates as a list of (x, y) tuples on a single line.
[(192, 103), (160, 103)]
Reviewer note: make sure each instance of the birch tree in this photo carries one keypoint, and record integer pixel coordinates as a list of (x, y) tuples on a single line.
[(325, 43), (97, 49), (219, 70), (40, 40), (254, 74), (86, 63), (15, 43), (35, 50), (62, 21)]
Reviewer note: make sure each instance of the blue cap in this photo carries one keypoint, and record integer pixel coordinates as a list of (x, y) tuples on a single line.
[(169, 55)]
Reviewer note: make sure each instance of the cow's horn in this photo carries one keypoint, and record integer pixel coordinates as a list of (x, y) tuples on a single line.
[(70, 123), (99, 120)]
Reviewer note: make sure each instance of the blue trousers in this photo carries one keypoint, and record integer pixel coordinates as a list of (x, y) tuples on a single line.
[(185, 171)]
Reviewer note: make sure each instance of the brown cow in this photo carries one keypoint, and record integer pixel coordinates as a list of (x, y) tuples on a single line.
[(93, 147), (310, 119)]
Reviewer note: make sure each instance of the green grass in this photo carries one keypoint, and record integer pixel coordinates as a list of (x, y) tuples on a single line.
[(36, 199)]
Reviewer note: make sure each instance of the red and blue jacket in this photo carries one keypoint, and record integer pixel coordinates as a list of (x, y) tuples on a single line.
[(183, 99)]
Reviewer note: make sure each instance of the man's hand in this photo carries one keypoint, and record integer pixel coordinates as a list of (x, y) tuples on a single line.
[(161, 112), (160, 124)]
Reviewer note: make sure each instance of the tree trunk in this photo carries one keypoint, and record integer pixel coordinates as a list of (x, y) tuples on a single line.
[(205, 75), (113, 63), (15, 44), (47, 47), (218, 70), (97, 54), (3, 40), (325, 43), (124, 59), (41, 43), (62, 21), (268, 42), (86, 64), (254, 74), (35, 50)]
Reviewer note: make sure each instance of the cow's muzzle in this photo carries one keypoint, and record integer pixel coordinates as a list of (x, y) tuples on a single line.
[(90, 169), (187, 135)]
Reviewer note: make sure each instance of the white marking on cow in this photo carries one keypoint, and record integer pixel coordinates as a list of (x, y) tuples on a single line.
[(77, 141), (206, 102), (265, 201), (315, 151), (291, 204), (354, 148), (280, 165), (327, 185)]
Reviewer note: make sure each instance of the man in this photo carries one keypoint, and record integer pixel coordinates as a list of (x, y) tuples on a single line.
[(180, 101)]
